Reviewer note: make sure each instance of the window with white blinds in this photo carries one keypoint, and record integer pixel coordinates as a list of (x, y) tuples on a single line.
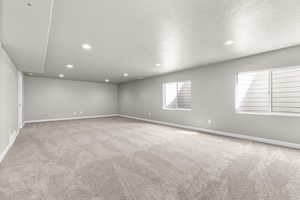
[(253, 91), (177, 95), (275, 91), (286, 90)]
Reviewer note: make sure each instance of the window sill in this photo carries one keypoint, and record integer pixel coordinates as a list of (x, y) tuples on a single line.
[(270, 114), (177, 109)]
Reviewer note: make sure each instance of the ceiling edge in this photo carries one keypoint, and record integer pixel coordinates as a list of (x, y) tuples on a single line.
[(48, 33), (212, 63)]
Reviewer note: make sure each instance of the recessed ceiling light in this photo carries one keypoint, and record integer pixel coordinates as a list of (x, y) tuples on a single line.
[(61, 75), (86, 46), (107, 80), (125, 74), (70, 66), (158, 64), (229, 42)]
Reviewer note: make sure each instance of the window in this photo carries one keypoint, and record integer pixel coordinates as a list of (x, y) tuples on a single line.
[(275, 91), (177, 95), (253, 92), (286, 90)]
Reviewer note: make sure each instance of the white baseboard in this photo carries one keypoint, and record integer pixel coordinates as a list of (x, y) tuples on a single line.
[(221, 133), (70, 118), (12, 140)]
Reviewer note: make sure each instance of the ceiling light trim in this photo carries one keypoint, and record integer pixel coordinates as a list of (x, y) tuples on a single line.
[(70, 66), (86, 46), (229, 42)]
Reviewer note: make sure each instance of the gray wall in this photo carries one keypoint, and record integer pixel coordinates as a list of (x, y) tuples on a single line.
[(8, 99), (46, 98), (213, 94)]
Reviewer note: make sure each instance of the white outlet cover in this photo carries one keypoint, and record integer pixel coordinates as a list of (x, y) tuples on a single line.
[(209, 121)]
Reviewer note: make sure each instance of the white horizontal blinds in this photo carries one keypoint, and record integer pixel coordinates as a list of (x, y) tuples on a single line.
[(253, 92), (170, 95), (177, 95), (286, 90), (184, 95)]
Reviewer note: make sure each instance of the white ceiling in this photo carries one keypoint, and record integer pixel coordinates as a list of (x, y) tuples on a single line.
[(25, 32), (134, 35)]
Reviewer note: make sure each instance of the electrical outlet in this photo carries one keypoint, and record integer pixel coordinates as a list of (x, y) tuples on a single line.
[(149, 114), (81, 112), (209, 121)]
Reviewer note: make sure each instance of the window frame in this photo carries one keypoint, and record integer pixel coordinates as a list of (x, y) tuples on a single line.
[(164, 98), (269, 112)]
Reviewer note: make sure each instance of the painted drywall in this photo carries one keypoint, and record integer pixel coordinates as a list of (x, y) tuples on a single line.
[(46, 98), (213, 96), (8, 100)]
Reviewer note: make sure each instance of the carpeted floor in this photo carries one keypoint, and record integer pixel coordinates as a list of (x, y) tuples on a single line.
[(122, 159)]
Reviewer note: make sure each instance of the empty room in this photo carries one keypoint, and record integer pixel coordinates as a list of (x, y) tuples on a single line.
[(149, 100)]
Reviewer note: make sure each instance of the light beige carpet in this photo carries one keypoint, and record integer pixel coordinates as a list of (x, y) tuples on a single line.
[(122, 159)]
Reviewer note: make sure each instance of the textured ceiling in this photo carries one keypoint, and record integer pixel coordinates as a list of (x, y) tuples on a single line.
[(133, 36)]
